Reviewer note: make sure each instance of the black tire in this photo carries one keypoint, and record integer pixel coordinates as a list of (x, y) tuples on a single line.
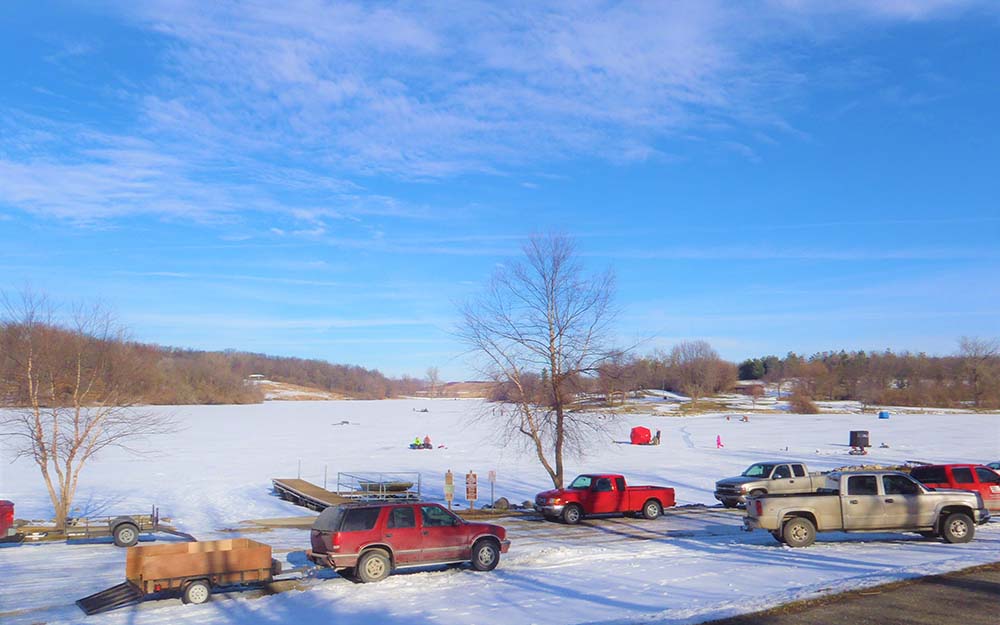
[(651, 509), (958, 528), (798, 532), (485, 555), (373, 566), (777, 536), (126, 535), (197, 592), (572, 514)]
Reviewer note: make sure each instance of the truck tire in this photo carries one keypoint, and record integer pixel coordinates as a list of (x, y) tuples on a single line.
[(197, 592), (798, 532), (958, 528), (485, 555), (125, 534), (373, 566), (651, 509), (572, 514)]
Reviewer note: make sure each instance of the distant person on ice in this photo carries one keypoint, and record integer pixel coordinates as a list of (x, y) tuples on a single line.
[(427, 442), (718, 441)]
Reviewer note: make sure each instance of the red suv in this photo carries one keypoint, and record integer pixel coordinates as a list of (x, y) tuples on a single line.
[(977, 478), (367, 541)]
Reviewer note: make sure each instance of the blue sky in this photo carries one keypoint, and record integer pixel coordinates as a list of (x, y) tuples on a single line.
[(329, 179)]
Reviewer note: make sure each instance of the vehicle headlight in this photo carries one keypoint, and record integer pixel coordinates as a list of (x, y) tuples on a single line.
[(554, 500)]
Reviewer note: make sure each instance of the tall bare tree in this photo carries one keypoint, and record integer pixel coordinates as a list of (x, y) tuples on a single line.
[(981, 364), (699, 370), (540, 326), (71, 390), (433, 380)]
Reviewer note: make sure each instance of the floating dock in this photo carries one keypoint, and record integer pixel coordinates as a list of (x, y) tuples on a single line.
[(306, 493)]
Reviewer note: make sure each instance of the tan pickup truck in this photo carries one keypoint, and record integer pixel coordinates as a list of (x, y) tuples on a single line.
[(764, 478), (868, 501)]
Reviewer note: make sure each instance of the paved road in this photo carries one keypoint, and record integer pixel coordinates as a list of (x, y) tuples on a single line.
[(969, 597)]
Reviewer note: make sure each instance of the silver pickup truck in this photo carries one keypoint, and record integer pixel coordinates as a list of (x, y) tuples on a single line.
[(868, 501), (764, 478)]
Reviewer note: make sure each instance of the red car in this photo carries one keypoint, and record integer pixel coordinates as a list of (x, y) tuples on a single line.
[(367, 541), (979, 479), (604, 493)]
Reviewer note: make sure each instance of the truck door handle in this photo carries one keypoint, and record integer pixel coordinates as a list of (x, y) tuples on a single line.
[(388, 535), (791, 481), (425, 532), (889, 500), (853, 501)]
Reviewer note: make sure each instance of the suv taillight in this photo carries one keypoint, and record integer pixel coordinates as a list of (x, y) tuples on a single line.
[(335, 541)]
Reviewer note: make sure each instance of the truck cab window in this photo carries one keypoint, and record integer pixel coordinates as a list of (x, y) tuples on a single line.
[(862, 485), (799, 470), (603, 485), (899, 485), (782, 472), (620, 483)]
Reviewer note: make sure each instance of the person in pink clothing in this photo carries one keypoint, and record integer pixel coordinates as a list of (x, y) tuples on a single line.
[(718, 441)]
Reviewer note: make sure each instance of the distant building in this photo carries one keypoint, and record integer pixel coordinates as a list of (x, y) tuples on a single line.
[(255, 378)]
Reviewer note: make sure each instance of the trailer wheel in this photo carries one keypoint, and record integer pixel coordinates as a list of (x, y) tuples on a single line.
[(126, 535), (374, 566), (958, 528), (572, 514), (651, 509), (197, 592), (799, 532)]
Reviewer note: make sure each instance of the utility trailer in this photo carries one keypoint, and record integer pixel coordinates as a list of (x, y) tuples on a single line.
[(125, 529), (192, 570)]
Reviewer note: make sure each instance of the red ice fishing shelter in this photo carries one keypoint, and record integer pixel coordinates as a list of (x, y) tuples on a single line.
[(640, 435)]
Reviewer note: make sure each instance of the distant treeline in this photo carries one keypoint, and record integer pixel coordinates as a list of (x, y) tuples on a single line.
[(164, 375), (969, 378)]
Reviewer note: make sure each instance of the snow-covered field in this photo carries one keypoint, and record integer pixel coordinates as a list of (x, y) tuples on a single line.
[(692, 565)]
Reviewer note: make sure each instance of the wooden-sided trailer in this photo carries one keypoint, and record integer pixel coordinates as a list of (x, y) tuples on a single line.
[(192, 570)]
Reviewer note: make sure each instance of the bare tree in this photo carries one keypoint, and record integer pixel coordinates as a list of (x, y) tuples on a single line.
[(433, 380), (699, 369), (540, 326), (71, 391), (981, 364)]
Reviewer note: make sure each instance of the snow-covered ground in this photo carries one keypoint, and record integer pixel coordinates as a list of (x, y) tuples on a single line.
[(694, 564)]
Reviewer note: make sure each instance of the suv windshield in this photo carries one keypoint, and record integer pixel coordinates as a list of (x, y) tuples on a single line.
[(582, 482), (759, 470)]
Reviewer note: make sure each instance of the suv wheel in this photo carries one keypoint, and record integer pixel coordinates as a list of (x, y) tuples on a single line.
[(373, 566), (485, 555)]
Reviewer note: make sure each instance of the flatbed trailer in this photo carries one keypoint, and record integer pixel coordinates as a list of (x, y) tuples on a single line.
[(125, 529), (192, 570)]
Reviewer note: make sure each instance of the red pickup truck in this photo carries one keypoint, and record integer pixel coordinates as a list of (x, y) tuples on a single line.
[(367, 541), (604, 493), (977, 478)]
